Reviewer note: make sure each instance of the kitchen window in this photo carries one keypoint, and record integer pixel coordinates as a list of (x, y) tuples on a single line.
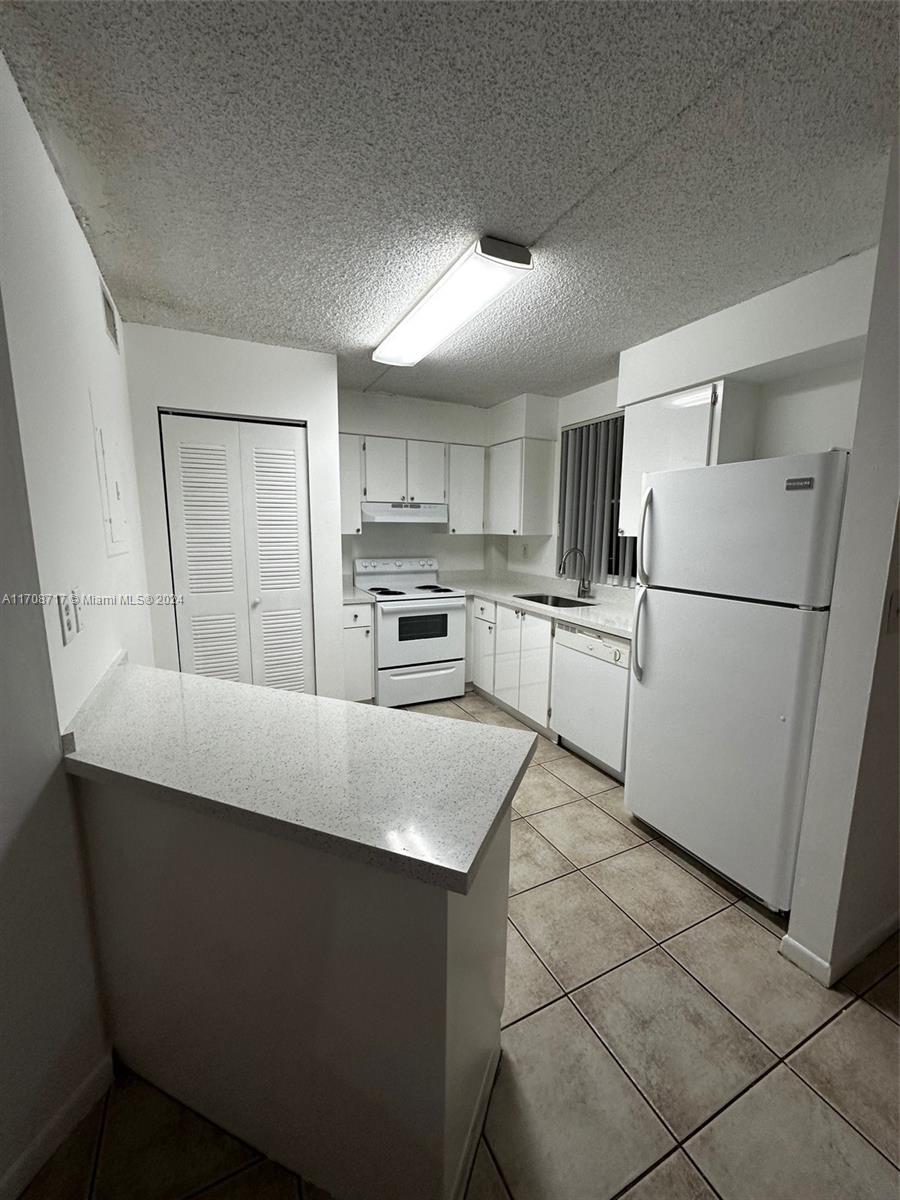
[(590, 480)]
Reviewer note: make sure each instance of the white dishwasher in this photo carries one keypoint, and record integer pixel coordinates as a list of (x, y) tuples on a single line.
[(589, 693)]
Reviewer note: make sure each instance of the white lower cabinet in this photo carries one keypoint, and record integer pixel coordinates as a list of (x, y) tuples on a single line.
[(534, 667), (359, 652), (522, 662), (483, 655)]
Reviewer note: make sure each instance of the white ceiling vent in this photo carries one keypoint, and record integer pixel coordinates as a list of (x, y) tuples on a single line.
[(109, 316)]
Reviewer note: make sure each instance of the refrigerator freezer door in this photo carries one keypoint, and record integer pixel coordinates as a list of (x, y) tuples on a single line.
[(719, 731), (763, 530)]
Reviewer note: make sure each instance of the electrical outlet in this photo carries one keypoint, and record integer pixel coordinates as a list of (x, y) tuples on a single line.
[(77, 611), (66, 617)]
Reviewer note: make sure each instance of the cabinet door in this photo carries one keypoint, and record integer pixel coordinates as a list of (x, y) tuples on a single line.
[(350, 448), (538, 465), (534, 668), (275, 486), (466, 490), (359, 665), (206, 535), (483, 656), (504, 488), (664, 434), (426, 468), (385, 460), (506, 658)]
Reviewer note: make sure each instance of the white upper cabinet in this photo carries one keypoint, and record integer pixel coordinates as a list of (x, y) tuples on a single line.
[(465, 492), (714, 423), (350, 449), (385, 460), (426, 472), (519, 487), (662, 435)]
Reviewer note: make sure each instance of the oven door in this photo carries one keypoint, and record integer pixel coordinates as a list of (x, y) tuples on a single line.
[(409, 632)]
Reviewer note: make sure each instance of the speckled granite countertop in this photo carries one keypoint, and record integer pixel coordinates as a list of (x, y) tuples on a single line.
[(411, 793), (611, 610)]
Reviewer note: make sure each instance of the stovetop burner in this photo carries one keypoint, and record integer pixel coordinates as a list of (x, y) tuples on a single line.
[(376, 591), (432, 587)]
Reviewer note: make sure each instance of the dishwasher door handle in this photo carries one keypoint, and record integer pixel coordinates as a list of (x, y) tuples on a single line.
[(637, 669)]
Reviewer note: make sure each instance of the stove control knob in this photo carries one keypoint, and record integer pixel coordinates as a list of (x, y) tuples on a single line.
[(431, 562), (398, 563), (421, 562)]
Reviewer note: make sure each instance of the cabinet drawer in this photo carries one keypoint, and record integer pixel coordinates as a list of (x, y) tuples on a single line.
[(356, 616), (484, 610)]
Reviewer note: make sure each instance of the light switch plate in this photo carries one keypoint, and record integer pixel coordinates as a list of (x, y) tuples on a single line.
[(77, 611), (66, 617)]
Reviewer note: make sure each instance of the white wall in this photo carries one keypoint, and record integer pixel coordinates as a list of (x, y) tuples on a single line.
[(818, 310), (410, 417), (197, 372), (55, 1057), (845, 898), (808, 412), (63, 363)]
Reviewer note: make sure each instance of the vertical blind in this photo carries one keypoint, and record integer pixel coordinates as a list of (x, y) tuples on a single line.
[(590, 481)]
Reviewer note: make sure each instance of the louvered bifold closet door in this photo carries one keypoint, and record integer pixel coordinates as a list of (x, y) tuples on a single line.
[(206, 535), (276, 529)]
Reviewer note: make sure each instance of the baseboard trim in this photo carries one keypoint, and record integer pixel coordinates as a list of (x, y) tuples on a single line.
[(803, 958), (457, 1192), (74, 1109), (828, 973)]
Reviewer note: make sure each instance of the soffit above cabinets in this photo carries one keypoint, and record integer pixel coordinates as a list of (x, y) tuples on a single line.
[(301, 173)]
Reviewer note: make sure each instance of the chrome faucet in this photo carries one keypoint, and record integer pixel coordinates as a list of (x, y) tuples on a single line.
[(584, 584)]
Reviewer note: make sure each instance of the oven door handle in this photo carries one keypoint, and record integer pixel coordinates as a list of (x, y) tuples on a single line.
[(410, 608)]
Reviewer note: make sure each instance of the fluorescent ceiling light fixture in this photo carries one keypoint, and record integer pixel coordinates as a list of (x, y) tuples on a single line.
[(474, 281)]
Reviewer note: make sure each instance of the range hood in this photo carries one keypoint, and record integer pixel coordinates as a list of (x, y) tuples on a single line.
[(386, 512)]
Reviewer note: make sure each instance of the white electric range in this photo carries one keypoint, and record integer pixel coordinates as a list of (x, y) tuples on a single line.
[(420, 630)]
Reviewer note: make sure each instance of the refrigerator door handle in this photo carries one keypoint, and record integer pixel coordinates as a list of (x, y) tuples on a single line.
[(643, 577), (637, 668)]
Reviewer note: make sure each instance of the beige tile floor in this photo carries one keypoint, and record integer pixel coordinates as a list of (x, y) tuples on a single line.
[(655, 1044)]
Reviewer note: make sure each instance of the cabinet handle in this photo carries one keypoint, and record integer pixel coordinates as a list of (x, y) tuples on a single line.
[(515, 531), (402, 497), (368, 632), (412, 497), (454, 531), (356, 616), (490, 629), (358, 530)]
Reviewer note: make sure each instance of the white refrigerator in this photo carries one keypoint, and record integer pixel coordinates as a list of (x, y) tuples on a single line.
[(735, 566)]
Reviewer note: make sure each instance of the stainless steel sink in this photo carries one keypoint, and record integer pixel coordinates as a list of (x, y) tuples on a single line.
[(554, 601)]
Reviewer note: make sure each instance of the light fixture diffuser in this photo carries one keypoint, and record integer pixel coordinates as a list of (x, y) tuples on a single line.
[(474, 281)]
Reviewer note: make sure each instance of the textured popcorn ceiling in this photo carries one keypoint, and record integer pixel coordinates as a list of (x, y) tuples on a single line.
[(299, 173)]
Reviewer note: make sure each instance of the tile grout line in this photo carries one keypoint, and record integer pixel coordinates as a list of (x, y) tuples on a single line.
[(836, 1110), (623, 1192), (197, 1193)]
